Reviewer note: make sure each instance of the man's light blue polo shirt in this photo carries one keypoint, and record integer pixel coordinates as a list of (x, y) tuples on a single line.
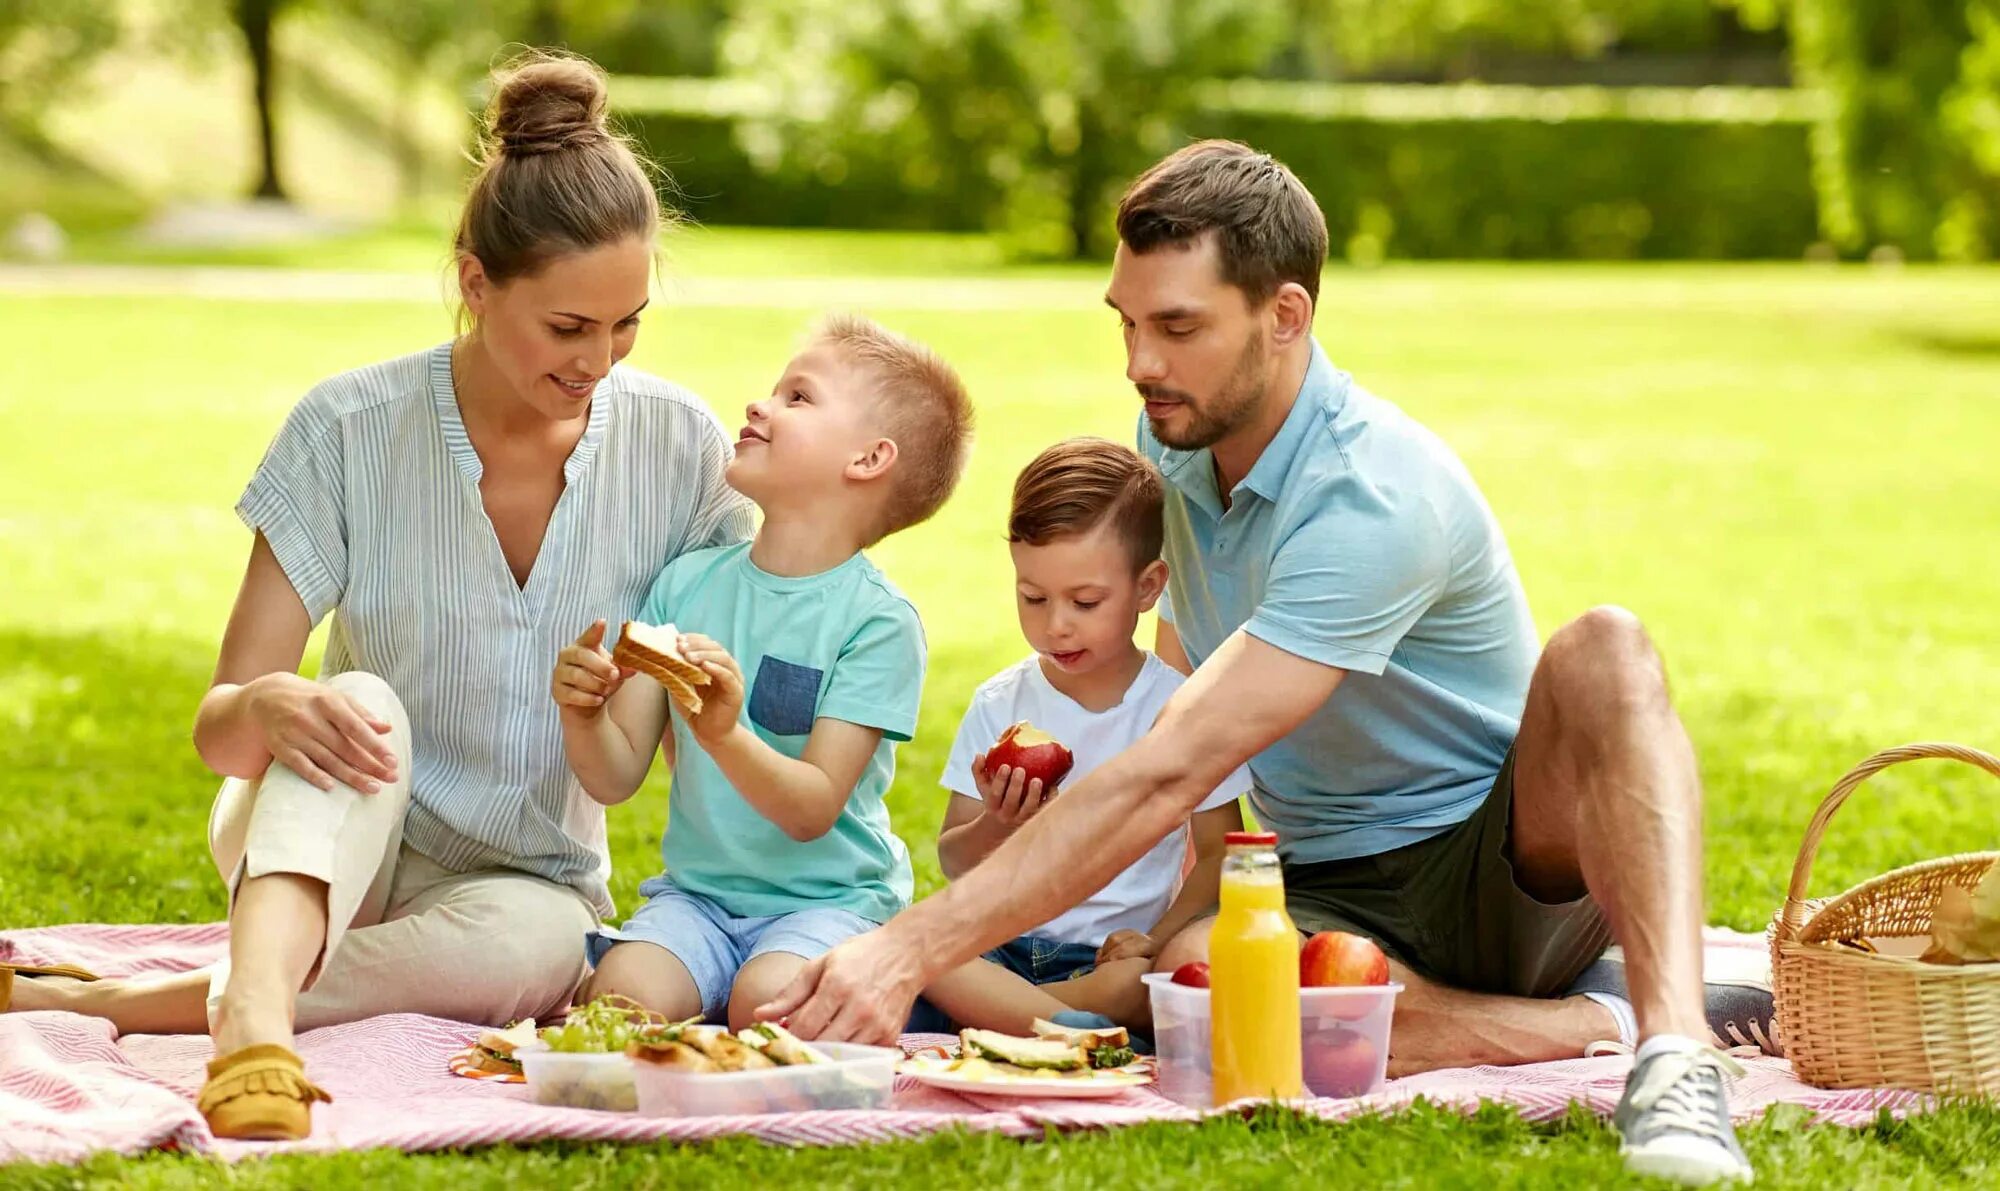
[(1358, 540)]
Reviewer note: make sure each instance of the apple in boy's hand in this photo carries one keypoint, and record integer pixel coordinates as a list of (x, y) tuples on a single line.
[(1334, 957), (1194, 975), (1032, 751)]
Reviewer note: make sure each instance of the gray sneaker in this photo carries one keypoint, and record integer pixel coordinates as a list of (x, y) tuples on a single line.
[(1736, 993), (1674, 1119)]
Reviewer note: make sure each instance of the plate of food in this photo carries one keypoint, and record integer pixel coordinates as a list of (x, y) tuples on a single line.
[(1058, 1062)]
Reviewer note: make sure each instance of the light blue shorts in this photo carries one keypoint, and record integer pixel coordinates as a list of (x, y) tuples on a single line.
[(713, 945)]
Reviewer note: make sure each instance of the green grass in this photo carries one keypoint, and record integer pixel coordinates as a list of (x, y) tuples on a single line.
[(1787, 472)]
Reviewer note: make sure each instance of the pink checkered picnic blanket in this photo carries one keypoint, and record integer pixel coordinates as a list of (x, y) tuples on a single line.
[(69, 1087)]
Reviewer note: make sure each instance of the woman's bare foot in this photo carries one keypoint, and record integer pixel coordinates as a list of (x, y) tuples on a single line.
[(37, 993)]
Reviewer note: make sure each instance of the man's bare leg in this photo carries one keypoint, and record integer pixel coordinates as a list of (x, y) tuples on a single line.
[(1438, 1026), (1607, 797)]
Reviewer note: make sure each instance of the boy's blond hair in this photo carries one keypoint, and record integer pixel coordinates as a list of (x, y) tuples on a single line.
[(924, 409)]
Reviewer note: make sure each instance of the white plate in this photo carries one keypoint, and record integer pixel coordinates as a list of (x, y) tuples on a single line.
[(1039, 1089)]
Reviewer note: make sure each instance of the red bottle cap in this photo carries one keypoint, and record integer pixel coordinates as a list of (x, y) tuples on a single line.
[(1246, 838)]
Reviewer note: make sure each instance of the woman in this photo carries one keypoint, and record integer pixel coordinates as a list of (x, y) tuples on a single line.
[(404, 835)]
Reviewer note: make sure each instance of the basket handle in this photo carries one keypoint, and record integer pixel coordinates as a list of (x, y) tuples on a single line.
[(1792, 920)]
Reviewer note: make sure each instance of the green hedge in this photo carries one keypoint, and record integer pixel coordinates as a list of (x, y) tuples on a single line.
[(1400, 171)]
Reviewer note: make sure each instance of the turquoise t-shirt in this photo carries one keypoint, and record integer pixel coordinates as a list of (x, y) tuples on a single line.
[(843, 644)]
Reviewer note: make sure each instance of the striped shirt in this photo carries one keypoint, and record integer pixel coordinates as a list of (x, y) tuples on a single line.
[(369, 497)]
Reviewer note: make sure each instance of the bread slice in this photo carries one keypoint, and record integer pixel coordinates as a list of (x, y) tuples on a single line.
[(654, 650), (1113, 1036), (727, 1050), (675, 1056)]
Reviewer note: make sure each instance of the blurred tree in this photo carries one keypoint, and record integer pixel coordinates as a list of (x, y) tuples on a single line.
[(43, 45), (1909, 153), (1024, 115), (661, 37), (1352, 34), (255, 20)]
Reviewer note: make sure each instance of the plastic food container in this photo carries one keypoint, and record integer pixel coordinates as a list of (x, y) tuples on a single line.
[(858, 1077), (598, 1081), (1343, 1039)]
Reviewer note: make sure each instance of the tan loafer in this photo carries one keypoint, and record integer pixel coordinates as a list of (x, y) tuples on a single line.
[(259, 1093)]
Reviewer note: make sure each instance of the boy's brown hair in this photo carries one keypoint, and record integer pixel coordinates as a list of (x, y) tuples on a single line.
[(924, 410), (1268, 228), (1081, 483)]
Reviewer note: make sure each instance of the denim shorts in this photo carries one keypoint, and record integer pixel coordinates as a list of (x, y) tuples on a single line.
[(1044, 961), (1031, 957), (713, 945)]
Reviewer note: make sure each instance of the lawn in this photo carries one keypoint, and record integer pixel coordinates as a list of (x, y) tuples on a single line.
[(1786, 471)]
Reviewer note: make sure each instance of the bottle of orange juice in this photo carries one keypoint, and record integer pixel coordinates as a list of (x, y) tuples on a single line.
[(1253, 957)]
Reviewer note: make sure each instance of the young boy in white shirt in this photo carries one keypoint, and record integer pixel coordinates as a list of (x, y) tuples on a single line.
[(1085, 532)]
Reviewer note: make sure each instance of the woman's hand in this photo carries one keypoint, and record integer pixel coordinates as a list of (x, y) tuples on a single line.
[(321, 734), (722, 698), (585, 676), (1011, 798)]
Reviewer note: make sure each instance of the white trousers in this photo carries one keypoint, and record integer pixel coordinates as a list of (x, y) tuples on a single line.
[(403, 933)]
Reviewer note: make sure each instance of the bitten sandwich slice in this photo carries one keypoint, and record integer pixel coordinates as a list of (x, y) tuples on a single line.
[(654, 650)]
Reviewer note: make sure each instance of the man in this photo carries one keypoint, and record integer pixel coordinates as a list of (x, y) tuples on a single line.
[(1359, 636)]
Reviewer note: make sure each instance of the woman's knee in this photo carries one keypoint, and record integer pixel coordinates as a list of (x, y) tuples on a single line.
[(371, 691)]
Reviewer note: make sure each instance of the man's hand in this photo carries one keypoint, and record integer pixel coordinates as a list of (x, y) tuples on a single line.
[(722, 699), (1011, 798), (861, 991), (1127, 944)]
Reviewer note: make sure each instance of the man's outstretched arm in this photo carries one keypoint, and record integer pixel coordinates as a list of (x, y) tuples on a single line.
[(1246, 696)]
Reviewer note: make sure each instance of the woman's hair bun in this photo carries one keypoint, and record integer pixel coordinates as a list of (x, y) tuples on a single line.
[(547, 104)]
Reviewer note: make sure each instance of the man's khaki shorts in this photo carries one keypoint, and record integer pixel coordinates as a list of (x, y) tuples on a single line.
[(1450, 909)]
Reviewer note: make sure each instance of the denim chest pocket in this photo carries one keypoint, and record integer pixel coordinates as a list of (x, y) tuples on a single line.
[(784, 698)]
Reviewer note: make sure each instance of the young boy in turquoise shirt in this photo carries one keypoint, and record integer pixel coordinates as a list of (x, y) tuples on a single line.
[(778, 845)]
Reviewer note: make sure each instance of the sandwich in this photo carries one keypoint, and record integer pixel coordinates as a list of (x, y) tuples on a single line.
[(1107, 1047), (1035, 1056), (675, 1056), (727, 1050), (494, 1050), (654, 650), (781, 1045)]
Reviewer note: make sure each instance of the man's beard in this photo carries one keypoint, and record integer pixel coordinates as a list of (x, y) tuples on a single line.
[(1212, 420)]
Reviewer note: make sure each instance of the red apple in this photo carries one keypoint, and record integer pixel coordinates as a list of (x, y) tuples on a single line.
[(1334, 957), (1339, 1062), (1032, 751), (1194, 975)]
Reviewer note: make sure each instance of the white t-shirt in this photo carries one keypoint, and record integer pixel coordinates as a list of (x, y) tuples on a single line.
[(1137, 897)]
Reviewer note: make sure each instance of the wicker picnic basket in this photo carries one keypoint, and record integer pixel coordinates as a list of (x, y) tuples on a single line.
[(1852, 1018)]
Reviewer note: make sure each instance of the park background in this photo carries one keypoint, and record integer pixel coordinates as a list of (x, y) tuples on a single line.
[(1696, 287)]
